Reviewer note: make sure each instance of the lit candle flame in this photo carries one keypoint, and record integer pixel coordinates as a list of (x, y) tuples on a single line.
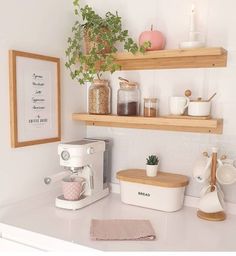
[(193, 8)]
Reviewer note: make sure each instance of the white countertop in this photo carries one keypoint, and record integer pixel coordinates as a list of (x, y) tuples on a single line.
[(177, 231)]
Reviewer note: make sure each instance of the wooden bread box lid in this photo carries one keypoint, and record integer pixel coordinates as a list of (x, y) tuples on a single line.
[(163, 179)]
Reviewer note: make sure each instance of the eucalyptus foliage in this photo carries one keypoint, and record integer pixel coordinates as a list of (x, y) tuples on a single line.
[(103, 32)]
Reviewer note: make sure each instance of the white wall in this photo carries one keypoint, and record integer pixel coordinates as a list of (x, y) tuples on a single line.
[(39, 27), (178, 151)]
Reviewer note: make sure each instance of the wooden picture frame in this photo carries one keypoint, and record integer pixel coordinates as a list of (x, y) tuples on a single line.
[(34, 98)]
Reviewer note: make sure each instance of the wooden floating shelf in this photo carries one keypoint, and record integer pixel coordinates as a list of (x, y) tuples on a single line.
[(154, 123), (169, 59)]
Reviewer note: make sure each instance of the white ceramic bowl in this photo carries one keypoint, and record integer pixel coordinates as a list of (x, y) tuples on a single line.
[(199, 108)]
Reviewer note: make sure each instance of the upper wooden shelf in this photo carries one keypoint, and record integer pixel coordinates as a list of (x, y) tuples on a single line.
[(169, 59), (154, 123)]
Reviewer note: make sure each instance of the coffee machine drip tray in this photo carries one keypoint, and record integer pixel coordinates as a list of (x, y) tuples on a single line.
[(61, 202)]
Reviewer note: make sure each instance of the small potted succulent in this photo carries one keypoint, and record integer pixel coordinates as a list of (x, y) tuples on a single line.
[(152, 165)]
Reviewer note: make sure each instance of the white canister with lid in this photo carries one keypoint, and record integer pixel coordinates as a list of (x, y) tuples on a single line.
[(199, 108), (164, 192)]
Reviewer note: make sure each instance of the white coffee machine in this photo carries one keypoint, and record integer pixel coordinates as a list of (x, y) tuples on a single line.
[(84, 158)]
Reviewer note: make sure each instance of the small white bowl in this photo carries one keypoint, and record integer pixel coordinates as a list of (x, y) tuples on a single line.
[(199, 108)]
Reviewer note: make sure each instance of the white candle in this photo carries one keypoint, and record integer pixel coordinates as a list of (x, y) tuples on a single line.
[(192, 30), (192, 19)]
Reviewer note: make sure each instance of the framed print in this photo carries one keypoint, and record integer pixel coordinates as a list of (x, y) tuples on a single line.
[(34, 98)]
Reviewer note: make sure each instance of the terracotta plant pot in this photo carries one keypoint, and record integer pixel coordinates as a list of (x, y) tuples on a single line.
[(88, 44)]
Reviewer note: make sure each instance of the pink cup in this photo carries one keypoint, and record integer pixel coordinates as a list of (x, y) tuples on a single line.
[(73, 188)]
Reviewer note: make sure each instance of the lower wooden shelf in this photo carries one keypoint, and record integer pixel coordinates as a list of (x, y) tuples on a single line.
[(214, 126)]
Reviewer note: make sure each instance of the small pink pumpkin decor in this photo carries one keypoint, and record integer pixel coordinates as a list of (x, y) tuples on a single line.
[(155, 37)]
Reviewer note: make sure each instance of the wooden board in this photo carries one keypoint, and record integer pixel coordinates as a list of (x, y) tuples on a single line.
[(163, 179), (156, 123), (188, 117), (177, 58), (217, 216)]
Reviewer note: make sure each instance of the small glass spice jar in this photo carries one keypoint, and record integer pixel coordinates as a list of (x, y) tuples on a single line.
[(99, 97), (128, 99), (150, 107)]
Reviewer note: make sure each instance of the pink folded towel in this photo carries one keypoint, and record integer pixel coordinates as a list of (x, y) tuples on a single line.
[(121, 230)]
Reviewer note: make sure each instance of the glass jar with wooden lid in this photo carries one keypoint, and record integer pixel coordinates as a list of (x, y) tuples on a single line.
[(99, 97), (128, 99)]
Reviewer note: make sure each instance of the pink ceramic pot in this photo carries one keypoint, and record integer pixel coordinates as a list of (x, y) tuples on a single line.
[(155, 37)]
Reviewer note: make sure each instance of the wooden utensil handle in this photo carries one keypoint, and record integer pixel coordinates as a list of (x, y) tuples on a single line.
[(223, 157), (187, 93), (212, 97), (123, 79), (213, 169)]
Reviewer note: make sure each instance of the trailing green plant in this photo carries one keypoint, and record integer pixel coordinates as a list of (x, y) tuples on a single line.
[(152, 160), (103, 33)]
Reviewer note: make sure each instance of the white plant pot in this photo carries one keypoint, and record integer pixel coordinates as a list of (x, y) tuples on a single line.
[(151, 170)]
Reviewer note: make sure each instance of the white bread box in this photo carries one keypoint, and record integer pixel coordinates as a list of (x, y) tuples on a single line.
[(165, 192)]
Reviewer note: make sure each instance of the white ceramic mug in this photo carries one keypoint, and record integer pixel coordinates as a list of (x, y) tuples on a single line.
[(225, 173), (177, 105), (211, 201), (202, 170), (206, 188), (199, 108), (73, 188)]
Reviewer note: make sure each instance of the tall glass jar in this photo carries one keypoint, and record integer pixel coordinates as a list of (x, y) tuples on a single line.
[(128, 99), (99, 100)]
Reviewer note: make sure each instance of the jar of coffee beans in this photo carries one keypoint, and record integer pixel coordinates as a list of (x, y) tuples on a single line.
[(128, 99), (99, 97)]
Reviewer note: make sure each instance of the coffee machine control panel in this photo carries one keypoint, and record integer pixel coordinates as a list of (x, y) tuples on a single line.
[(65, 155), (78, 153)]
